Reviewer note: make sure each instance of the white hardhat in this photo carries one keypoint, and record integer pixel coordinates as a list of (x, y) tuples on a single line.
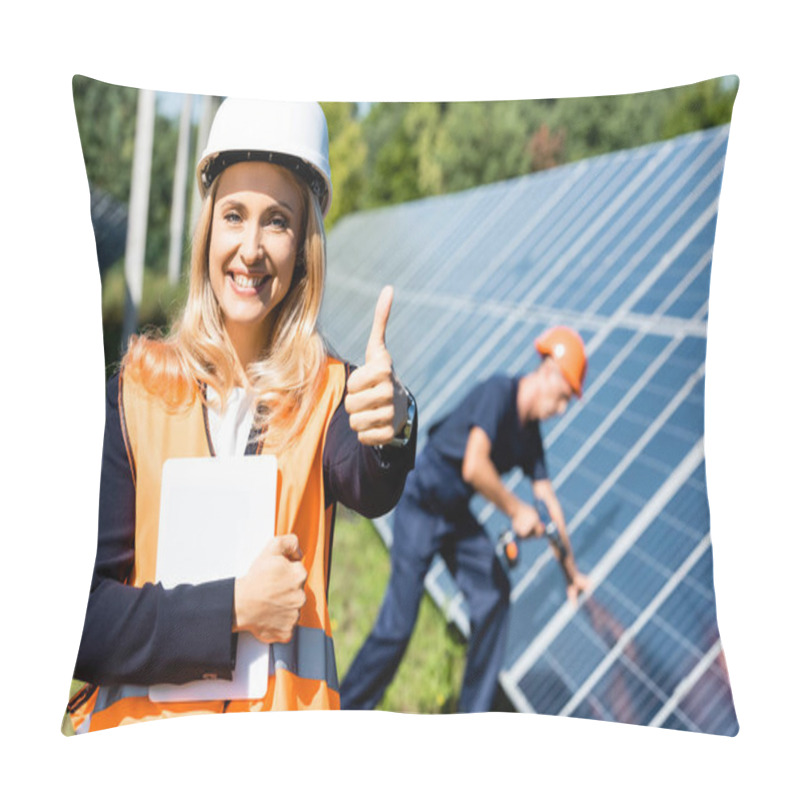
[(292, 135)]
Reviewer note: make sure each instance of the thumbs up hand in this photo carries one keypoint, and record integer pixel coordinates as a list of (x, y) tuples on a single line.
[(376, 401)]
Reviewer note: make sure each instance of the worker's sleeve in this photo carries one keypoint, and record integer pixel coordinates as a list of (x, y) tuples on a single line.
[(150, 634), (368, 480), (537, 467)]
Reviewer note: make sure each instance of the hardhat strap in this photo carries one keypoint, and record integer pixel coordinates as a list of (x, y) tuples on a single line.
[(221, 161)]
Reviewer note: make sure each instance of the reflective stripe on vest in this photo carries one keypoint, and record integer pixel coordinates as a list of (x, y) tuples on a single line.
[(309, 655), (303, 671)]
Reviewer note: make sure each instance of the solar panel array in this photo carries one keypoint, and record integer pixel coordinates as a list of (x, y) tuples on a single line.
[(619, 247)]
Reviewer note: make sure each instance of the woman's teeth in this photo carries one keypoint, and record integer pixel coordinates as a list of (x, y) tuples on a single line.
[(249, 282)]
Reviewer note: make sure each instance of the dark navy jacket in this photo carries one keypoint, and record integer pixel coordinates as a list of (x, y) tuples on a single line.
[(491, 406), (152, 635)]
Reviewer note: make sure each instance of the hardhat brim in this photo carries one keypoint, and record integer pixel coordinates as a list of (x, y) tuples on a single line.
[(214, 163)]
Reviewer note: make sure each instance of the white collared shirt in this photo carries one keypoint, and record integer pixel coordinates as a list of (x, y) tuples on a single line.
[(230, 429)]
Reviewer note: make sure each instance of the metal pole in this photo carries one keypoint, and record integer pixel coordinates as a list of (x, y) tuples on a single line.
[(137, 211), (209, 107), (178, 215)]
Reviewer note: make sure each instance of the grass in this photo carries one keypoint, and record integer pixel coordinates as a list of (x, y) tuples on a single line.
[(429, 678), (66, 722)]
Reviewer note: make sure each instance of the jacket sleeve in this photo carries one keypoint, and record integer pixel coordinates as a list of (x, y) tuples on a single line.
[(150, 634), (368, 480)]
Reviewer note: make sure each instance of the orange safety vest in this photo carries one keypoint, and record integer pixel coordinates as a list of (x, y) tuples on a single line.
[(303, 672)]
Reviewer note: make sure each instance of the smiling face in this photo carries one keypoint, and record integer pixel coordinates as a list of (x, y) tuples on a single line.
[(256, 231)]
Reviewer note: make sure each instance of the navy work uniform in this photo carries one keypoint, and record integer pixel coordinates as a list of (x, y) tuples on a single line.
[(433, 516)]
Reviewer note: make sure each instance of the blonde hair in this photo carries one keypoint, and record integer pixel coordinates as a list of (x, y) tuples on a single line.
[(198, 350)]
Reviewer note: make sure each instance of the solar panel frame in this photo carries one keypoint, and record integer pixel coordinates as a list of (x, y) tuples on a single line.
[(619, 246)]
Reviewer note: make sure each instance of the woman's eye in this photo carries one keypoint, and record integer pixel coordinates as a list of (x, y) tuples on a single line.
[(232, 217), (279, 222)]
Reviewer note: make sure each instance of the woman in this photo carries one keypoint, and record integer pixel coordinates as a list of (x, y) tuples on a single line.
[(244, 371)]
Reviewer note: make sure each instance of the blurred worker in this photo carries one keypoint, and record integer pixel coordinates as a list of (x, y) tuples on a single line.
[(494, 429)]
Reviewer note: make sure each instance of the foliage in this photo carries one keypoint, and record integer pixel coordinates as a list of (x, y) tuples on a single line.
[(348, 155), (66, 723), (393, 161), (702, 105), (399, 151), (106, 116), (429, 678), (161, 301), (482, 143), (546, 147), (418, 149)]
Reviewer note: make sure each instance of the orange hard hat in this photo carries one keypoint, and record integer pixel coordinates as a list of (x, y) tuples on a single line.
[(565, 346)]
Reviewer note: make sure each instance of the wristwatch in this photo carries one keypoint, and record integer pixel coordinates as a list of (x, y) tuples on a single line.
[(401, 438)]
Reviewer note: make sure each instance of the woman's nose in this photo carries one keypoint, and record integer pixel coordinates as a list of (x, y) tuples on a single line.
[(251, 248)]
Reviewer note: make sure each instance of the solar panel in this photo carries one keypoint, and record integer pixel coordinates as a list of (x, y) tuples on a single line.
[(619, 247)]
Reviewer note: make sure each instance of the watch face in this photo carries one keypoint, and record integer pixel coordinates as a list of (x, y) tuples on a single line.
[(404, 434), (411, 412)]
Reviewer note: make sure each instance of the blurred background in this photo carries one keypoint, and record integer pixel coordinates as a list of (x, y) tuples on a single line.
[(454, 203), (381, 154)]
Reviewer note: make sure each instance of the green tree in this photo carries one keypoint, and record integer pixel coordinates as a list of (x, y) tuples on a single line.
[(422, 123), (699, 106), (162, 173), (348, 155), (419, 149), (106, 116), (392, 156), (482, 143), (596, 125)]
